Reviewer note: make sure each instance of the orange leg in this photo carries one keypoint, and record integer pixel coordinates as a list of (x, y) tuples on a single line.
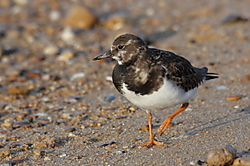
[(168, 120), (152, 140)]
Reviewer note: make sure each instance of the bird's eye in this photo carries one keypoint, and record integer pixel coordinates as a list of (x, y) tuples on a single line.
[(120, 47)]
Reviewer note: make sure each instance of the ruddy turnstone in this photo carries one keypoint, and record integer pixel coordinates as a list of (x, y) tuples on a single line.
[(153, 79)]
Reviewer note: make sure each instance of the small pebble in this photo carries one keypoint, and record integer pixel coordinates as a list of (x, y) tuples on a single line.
[(41, 114), (106, 144), (120, 117), (46, 77), (80, 17), (82, 105), (50, 50), (4, 152), (244, 161), (115, 22), (144, 128), (17, 90), (66, 56), (222, 87), (22, 123), (33, 75), (21, 2), (12, 72), (25, 147), (2, 105), (150, 11), (45, 99), (245, 79), (109, 78), (94, 124), (197, 163), (110, 98), (15, 162), (9, 50), (29, 144), (66, 115), (2, 136), (77, 76), (189, 109), (54, 15), (129, 146), (233, 18), (246, 110), (70, 129), (39, 152), (55, 145), (132, 109), (121, 151), (193, 163), (73, 135), (233, 98), (67, 34), (46, 158), (221, 157), (63, 155), (72, 100), (7, 123), (39, 145)]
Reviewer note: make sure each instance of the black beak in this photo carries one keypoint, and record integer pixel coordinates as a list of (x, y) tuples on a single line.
[(103, 56)]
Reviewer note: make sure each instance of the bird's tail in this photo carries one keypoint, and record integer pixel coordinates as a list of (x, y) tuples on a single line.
[(207, 76)]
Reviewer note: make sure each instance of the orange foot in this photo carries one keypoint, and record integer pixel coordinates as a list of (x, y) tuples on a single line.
[(151, 143)]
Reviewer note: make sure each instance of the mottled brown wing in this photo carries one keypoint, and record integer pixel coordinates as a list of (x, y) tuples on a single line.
[(179, 70)]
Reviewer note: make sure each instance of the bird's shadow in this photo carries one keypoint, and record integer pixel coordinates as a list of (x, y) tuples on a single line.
[(200, 128)]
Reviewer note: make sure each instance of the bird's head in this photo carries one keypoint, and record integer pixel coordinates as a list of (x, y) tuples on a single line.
[(125, 48)]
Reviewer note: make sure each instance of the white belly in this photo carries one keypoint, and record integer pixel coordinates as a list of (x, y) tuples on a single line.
[(168, 95)]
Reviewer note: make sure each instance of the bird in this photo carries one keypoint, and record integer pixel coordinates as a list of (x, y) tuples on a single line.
[(153, 79)]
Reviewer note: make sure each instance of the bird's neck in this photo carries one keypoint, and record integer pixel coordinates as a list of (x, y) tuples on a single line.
[(142, 60)]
